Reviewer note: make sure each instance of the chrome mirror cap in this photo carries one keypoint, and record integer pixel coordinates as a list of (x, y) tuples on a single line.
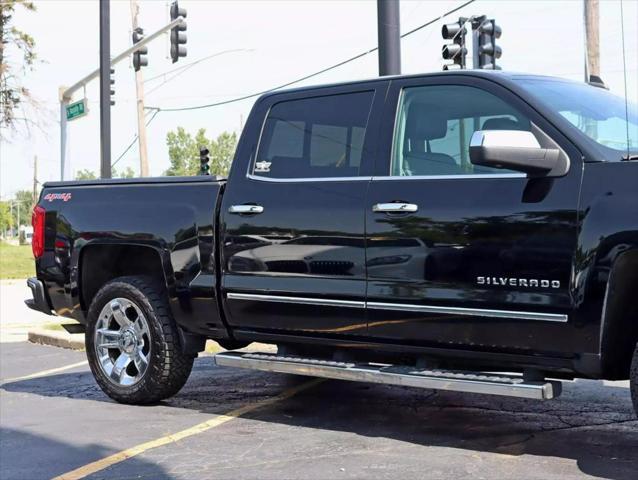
[(516, 150), (504, 138)]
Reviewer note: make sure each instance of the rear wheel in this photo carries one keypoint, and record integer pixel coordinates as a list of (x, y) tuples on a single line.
[(132, 343), (633, 380)]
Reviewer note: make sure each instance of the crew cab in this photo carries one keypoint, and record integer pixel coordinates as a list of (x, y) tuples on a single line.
[(430, 230)]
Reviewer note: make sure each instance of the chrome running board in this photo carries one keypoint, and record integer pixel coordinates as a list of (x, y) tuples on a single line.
[(407, 376)]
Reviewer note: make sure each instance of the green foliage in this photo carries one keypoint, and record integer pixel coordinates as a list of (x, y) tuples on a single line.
[(87, 174), (17, 58), (22, 207), (6, 220), (16, 261), (128, 172), (183, 152)]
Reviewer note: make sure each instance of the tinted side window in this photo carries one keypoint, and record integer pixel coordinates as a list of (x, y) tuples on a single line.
[(319, 137), (435, 124)]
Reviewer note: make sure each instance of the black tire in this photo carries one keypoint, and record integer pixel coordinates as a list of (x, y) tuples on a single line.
[(168, 368), (633, 380)]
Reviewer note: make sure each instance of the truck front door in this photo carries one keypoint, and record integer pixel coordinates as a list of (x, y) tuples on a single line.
[(466, 256), (292, 227)]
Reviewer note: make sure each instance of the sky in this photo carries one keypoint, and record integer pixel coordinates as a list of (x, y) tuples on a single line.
[(268, 43)]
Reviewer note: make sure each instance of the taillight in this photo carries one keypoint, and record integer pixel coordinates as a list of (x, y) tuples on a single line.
[(37, 241)]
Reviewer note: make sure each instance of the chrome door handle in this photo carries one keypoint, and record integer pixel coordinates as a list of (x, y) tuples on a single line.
[(395, 207), (249, 209)]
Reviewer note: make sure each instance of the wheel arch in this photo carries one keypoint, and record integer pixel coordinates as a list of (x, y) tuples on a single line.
[(99, 263), (619, 329)]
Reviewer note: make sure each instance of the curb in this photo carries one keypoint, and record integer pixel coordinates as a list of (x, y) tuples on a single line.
[(56, 338)]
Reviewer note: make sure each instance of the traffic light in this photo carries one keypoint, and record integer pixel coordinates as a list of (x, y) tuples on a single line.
[(455, 51), (488, 51), (204, 159), (178, 33), (112, 82), (140, 58)]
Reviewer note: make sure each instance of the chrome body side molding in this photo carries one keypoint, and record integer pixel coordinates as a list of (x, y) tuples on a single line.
[(474, 312), (404, 307), (297, 300)]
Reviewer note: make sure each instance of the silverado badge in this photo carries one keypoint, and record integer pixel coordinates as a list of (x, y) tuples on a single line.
[(263, 166), (517, 282)]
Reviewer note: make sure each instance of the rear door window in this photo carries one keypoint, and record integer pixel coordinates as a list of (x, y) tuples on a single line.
[(318, 137)]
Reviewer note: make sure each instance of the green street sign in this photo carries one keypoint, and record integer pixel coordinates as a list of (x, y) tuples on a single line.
[(76, 110)]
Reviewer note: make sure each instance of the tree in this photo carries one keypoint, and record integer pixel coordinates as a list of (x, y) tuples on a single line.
[(22, 207), (183, 152), (127, 173), (13, 94), (6, 220), (87, 174), (222, 153)]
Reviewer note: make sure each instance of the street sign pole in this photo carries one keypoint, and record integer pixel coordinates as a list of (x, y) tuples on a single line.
[(65, 168), (67, 93)]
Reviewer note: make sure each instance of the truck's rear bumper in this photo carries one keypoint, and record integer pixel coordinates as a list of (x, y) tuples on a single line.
[(39, 301)]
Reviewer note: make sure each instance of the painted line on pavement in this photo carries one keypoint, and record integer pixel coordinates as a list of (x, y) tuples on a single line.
[(119, 457), (44, 373)]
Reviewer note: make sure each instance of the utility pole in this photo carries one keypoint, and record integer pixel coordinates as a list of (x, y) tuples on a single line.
[(139, 88), (592, 53), (35, 179), (389, 31), (105, 89), (592, 39)]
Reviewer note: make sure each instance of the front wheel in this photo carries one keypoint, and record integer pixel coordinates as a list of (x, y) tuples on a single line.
[(132, 343), (633, 380)]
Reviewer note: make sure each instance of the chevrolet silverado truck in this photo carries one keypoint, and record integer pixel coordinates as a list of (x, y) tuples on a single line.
[(469, 231)]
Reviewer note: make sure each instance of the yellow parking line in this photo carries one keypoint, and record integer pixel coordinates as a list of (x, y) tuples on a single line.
[(44, 372), (118, 457)]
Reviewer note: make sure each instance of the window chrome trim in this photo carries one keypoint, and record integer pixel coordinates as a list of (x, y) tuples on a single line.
[(404, 307), (250, 171), (474, 176), (296, 300), (397, 111), (250, 176)]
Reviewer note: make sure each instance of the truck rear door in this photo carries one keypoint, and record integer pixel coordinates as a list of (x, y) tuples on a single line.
[(460, 255), (292, 217)]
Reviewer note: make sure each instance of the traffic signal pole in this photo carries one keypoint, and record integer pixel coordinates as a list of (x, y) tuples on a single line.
[(389, 31), (66, 94), (105, 89)]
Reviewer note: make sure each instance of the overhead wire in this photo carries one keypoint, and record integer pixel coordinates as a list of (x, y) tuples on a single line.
[(157, 110), (314, 74)]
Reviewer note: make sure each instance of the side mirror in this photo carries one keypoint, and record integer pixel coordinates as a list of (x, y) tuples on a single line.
[(514, 150)]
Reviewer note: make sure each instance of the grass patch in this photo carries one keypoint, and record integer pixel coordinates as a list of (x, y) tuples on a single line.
[(16, 261), (54, 326)]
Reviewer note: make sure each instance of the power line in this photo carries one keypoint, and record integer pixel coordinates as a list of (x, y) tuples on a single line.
[(188, 66), (181, 70), (152, 117), (306, 77)]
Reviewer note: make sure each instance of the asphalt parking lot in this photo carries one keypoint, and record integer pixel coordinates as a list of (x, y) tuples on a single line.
[(229, 423)]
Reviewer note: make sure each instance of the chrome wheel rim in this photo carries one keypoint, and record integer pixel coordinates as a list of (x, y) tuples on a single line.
[(122, 342)]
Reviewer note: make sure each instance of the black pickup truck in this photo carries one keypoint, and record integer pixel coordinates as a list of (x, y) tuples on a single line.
[(427, 230)]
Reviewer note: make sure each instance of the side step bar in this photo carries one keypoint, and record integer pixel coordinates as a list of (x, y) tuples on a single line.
[(488, 383)]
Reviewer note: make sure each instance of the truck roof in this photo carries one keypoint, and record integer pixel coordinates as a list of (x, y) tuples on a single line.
[(135, 180), (504, 77)]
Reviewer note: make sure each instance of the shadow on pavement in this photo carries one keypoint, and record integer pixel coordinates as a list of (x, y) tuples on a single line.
[(591, 424), (28, 456)]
